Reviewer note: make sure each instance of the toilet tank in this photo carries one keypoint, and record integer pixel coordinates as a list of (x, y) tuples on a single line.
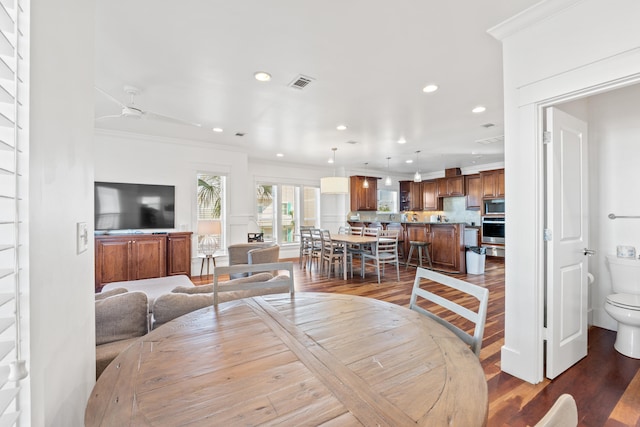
[(625, 274)]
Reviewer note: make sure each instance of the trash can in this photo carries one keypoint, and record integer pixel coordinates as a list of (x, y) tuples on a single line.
[(475, 259)]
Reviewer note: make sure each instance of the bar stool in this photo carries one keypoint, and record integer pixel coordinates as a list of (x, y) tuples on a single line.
[(419, 244)]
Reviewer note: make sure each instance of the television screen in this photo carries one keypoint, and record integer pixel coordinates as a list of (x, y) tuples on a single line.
[(121, 206)]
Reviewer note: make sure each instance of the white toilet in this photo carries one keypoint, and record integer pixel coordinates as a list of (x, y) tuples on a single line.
[(624, 304)]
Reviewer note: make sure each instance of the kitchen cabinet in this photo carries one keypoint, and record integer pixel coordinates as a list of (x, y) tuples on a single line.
[(452, 186), (363, 199), (473, 185), (492, 183), (411, 196), (430, 196), (447, 247), (141, 256)]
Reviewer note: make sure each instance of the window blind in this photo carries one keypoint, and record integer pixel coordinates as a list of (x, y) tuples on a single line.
[(13, 210)]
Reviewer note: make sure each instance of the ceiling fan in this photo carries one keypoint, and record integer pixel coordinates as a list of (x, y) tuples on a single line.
[(132, 111)]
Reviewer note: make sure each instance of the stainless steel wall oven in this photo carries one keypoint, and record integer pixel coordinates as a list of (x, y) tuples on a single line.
[(493, 235)]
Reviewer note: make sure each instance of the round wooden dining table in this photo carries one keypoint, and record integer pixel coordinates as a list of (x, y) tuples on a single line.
[(304, 359)]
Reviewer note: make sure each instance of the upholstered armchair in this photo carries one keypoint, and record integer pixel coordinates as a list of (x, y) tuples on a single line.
[(252, 253)]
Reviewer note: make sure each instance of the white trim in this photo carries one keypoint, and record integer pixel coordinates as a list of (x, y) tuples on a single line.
[(529, 17)]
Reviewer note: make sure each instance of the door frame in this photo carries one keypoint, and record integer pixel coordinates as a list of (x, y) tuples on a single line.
[(539, 107)]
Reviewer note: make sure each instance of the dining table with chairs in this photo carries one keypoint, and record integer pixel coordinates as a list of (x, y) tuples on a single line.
[(295, 359)]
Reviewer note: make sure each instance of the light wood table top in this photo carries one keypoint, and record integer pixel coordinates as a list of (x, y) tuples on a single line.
[(307, 359), (351, 239)]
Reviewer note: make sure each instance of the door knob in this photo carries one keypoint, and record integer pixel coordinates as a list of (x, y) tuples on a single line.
[(589, 252)]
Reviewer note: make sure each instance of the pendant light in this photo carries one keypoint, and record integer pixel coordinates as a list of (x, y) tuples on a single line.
[(387, 180), (365, 184), (417, 177), (334, 184)]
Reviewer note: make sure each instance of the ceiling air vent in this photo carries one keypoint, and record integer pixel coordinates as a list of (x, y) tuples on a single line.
[(240, 134), (488, 125), (492, 140), (301, 82)]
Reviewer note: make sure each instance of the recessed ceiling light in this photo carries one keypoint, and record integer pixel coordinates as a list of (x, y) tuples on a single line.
[(262, 76), (402, 141), (341, 127), (479, 109), (217, 129), (430, 88), (279, 155), (409, 161)]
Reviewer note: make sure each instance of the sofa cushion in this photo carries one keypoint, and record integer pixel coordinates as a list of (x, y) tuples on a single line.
[(169, 306), (112, 292), (207, 289), (120, 317), (105, 353)]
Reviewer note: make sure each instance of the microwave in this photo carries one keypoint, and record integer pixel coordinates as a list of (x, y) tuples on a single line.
[(494, 207)]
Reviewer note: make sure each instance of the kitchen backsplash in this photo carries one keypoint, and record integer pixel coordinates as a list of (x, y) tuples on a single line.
[(454, 209)]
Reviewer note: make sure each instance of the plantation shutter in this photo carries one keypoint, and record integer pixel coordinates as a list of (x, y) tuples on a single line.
[(13, 209)]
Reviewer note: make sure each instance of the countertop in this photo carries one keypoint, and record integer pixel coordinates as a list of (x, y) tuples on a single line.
[(364, 221)]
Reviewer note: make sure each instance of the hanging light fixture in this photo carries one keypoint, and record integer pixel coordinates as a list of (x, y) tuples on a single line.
[(334, 184), (417, 177), (387, 180), (365, 184)]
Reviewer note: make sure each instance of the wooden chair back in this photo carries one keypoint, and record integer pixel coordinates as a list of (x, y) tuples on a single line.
[(478, 292)]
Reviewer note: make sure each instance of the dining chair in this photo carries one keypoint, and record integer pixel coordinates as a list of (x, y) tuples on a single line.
[(306, 247), (396, 226), (316, 246), (332, 254), (478, 317), (563, 413), (357, 250), (384, 252), (344, 230), (356, 231)]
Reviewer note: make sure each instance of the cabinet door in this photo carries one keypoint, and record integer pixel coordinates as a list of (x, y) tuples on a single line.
[(488, 184), (179, 254), (430, 195), (500, 183), (405, 196), (446, 250), (363, 199), (455, 185), (416, 196), (474, 192), (149, 258), (113, 257)]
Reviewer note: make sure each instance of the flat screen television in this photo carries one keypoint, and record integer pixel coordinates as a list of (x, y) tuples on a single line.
[(125, 206)]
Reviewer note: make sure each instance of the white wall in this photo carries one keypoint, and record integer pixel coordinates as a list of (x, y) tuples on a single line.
[(125, 157), (62, 326), (550, 52), (614, 150)]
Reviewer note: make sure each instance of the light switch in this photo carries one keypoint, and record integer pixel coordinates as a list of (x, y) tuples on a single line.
[(82, 237)]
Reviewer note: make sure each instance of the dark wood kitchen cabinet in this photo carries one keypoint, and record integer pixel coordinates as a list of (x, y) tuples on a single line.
[(452, 186), (447, 244), (363, 199), (411, 196), (473, 185), (431, 200), (492, 184)]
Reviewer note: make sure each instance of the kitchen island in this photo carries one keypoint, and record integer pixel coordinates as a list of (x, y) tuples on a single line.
[(447, 249)]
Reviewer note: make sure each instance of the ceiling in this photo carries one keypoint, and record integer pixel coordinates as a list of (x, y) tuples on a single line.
[(368, 61)]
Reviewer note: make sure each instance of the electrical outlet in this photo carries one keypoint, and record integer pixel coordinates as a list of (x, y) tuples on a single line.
[(82, 237)]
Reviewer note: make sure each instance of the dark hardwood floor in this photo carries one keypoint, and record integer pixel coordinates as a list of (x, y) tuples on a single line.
[(605, 384)]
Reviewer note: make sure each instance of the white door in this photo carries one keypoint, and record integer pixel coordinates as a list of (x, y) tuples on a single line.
[(568, 237)]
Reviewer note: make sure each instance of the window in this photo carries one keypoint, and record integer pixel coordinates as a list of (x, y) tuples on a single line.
[(387, 201), (282, 208), (211, 198)]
